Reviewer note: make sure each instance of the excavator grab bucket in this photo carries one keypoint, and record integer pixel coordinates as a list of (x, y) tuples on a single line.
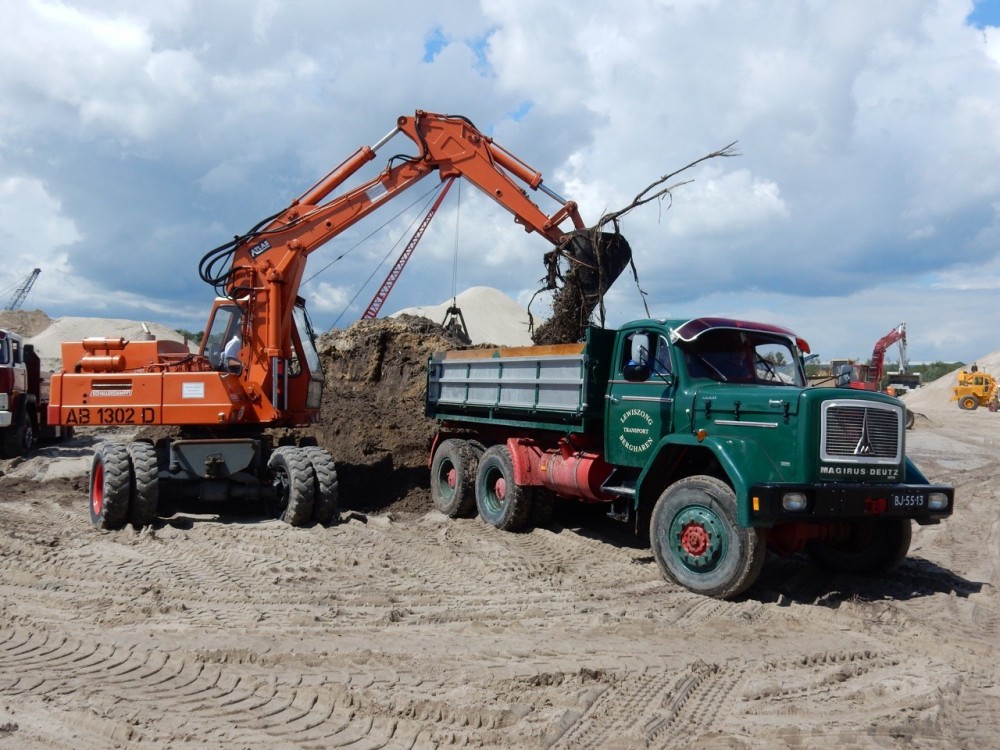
[(594, 261)]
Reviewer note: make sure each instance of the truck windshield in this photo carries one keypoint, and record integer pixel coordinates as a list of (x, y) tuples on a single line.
[(730, 356)]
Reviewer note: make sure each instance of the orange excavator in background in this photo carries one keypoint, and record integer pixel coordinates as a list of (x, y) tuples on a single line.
[(869, 377), (258, 367)]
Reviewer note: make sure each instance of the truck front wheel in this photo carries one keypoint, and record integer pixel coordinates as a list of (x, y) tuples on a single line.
[(873, 548), (698, 542), (969, 403), (501, 502), (453, 478), (109, 486)]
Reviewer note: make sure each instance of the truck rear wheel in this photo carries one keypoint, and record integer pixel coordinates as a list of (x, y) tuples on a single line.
[(326, 487), (698, 542), (109, 486), (453, 478), (145, 486), (17, 439), (501, 502), (969, 403), (874, 548), (292, 485)]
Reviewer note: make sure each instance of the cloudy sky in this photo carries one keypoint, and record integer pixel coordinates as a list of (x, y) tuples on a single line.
[(135, 137)]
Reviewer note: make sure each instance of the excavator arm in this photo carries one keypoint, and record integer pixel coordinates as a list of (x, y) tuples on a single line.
[(896, 335), (262, 270)]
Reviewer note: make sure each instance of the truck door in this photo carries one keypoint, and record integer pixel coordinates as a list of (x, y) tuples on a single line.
[(640, 397)]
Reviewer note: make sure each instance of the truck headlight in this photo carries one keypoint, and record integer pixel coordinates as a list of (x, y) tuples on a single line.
[(793, 501), (937, 501)]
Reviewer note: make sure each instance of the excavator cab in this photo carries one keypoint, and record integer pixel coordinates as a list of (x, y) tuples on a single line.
[(224, 328)]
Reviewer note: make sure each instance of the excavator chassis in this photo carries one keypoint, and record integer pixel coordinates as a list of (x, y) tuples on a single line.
[(129, 483)]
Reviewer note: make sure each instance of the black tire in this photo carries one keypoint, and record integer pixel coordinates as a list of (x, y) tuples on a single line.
[(875, 548), (145, 484), (292, 485), (910, 419), (500, 501), (326, 487), (453, 478), (110, 480), (698, 542), (19, 438), (27, 435), (969, 403)]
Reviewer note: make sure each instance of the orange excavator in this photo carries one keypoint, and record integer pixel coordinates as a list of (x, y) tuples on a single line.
[(258, 367), (869, 377)]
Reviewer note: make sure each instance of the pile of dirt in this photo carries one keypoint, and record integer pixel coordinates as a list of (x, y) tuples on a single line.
[(372, 417), (27, 323)]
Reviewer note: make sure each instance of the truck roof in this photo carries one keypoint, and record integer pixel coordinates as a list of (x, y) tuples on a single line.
[(689, 330)]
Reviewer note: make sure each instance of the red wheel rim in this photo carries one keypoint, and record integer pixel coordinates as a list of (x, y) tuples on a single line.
[(451, 479), (695, 540), (500, 489), (97, 489)]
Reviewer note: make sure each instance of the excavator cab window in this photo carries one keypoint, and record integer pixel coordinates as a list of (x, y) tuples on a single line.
[(223, 329), (306, 341)]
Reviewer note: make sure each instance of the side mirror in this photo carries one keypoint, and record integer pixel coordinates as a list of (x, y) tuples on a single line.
[(635, 372)]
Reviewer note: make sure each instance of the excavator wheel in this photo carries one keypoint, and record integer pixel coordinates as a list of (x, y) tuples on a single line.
[(110, 480), (292, 485), (144, 483), (326, 486), (969, 403)]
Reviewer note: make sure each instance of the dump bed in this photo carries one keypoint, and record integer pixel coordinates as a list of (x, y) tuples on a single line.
[(558, 387)]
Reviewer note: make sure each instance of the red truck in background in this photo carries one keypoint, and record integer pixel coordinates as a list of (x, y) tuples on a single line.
[(24, 398)]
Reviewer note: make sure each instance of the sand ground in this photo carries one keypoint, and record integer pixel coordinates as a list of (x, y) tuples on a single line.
[(400, 628)]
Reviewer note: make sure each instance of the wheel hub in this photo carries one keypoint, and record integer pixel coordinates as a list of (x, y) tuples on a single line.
[(698, 538), (694, 539)]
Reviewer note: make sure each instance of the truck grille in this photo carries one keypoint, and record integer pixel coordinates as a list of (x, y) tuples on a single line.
[(864, 432)]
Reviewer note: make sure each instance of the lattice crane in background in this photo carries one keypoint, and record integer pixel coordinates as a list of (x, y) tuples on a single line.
[(21, 293), (390, 280)]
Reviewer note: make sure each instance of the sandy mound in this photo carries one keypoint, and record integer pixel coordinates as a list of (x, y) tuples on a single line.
[(490, 315), (25, 322)]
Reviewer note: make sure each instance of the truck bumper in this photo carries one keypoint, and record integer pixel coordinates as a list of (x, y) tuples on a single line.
[(6, 419), (780, 503)]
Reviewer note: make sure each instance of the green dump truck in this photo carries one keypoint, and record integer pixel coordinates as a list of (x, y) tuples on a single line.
[(703, 432)]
